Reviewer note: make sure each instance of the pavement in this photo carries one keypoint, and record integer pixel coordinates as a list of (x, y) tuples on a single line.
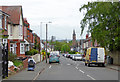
[(113, 67), (29, 75)]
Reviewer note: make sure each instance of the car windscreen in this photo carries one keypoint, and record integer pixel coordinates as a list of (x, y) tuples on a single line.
[(78, 56)]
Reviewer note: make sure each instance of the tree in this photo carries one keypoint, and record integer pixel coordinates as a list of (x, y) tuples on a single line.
[(103, 21), (65, 48)]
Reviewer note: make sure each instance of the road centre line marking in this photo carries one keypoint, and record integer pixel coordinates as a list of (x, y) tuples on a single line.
[(76, 67), (50, 66), (81, 71), (91, 77)]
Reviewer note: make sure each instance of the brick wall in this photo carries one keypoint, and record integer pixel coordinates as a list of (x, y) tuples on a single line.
[(25, 63)]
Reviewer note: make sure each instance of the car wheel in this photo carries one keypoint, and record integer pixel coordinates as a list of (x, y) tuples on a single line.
[(103, 65), (49, 62), (88, 64)]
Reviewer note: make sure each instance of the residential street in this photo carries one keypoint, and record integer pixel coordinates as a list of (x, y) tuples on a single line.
[(66, 70)]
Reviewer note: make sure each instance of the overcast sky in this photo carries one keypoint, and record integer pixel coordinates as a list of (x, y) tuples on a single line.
[(64, 15)]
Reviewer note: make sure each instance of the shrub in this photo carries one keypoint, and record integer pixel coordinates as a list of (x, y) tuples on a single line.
[(18, 63), (48, 54), (27, 53), (31, 52), (72, 52), (11, 56)]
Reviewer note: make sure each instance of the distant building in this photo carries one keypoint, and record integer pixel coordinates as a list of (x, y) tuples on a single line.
[(74, 46)]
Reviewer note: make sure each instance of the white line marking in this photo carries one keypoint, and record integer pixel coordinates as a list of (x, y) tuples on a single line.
[(50, 66), (81, 71), (68, 64), (91, 77), (76, 67)]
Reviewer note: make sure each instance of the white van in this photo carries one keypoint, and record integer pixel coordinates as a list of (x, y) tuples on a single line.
[(95, 55)]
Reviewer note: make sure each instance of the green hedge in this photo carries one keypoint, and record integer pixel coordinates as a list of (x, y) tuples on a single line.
[(72, 52), (31, 52)]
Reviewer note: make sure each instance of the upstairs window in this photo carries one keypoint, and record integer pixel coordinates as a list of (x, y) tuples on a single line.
[(5, 23), (10, 30), (20, 30)]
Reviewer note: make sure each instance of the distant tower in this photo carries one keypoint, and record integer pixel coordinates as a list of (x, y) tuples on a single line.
[(74, 39), (74, 35)]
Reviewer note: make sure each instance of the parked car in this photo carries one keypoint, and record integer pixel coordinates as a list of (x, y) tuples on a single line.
[(54, 58), (68, 55), (95, 55), (71, 56), (78, 57)]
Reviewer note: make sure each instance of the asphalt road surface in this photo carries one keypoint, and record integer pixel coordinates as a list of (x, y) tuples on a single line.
[(75, 70)]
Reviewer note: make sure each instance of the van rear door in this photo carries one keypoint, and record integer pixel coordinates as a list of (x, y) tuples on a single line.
[(101, 55), (93, 54)]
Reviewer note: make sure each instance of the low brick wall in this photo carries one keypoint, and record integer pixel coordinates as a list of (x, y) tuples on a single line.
[(25, 63)]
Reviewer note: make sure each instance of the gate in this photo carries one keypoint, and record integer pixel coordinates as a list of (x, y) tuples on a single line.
[(5, 61), (0, 64)]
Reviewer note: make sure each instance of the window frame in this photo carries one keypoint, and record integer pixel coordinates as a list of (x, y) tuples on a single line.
[(5, 22), (22, 48)]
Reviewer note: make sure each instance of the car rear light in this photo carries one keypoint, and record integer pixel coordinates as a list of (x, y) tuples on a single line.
[(89, 57)]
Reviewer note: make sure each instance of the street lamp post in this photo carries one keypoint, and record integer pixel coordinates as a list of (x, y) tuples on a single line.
[(46, 43), (46, 37), (41, 40)]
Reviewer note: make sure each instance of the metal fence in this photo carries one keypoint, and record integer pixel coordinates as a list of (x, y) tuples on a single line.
[(0, 63), (4, 61)]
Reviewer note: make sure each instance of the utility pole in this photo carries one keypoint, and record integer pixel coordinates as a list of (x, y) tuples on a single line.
[(46, 43), (41, 40)]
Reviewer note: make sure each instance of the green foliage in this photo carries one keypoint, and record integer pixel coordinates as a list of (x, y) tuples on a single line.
[(11, 57), (65, 48), (48, 54), (18, 63), (72, 52), (58, 45), (103, 21), (31, 52)]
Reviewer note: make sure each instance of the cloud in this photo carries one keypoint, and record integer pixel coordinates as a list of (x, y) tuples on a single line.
[(64, 14)]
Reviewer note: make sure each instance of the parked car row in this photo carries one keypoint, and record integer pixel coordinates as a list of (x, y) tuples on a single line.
[(75, 57)]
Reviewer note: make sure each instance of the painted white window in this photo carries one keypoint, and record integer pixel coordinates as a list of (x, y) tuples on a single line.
[(5, 23), (0, 21), (0, 41), (5, 41), (11, 30), (22, 50), (27, 48), (20, 30), (12, 48)]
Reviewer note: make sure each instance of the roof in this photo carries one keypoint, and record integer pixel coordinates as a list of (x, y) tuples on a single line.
[(4, 13), (14, 12)]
